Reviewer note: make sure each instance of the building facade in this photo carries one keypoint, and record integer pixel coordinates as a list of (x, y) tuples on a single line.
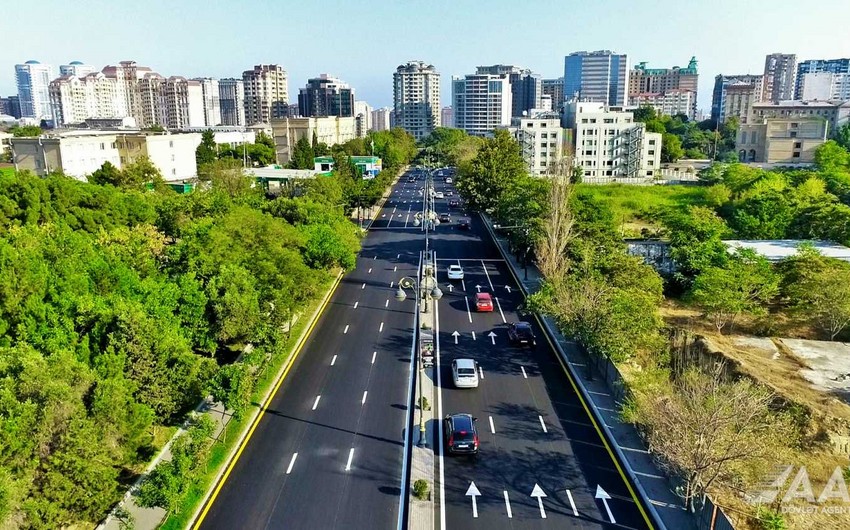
[(363, 118), (780, 72), (231, 94), (416, 98), (835, 66), (33, 81), (554, 88), (381, 119), (669, 103), (732, 94), (481, 103), (266, 93), (129, 76), (659, 82), (184, 103), (211, 98), (76, 68), (447, 117), (541, 140), (74, 100), (526, 86), (326, 96), (825, 86), (601, 76), (331, 130)]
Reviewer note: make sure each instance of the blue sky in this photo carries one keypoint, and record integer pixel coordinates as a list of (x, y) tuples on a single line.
[(362, 41)]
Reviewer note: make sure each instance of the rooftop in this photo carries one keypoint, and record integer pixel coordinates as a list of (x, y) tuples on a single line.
[(778, 249)]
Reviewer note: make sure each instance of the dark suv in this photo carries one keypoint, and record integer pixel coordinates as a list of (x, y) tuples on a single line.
[(461, 434), (520, 333)]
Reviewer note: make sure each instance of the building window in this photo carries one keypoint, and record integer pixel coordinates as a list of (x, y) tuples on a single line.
[(543, 124), (171, 143), (651, 152), (544, 135), (793, 134), (796, 155), (798, 145), (173, 172), (529, 125), (608, 120), (650, 162), (652, 142), (794, 125), (584, 120)]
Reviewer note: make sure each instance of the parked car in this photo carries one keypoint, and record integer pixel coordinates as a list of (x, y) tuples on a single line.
[(461, 436), (445, 217), (455, 272), (465, 373), (463, 224), (521, 334), (483, 302)]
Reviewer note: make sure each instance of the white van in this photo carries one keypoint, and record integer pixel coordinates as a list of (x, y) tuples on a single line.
[(465, 373)]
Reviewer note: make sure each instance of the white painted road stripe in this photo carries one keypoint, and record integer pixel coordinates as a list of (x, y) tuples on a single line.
[(500, 311), (381, 328), (370, 271), (350, 456), (488, 276), (333, 360), (572, 504), (363, 286), (363, 401), (395, 267), (374, 354), (492, 427), (355, 304), (543, 424), (523, 372), (345, 330), (387, 303), (316, 403), (291, 463), (468, 313), (391, 285), (481, 372), (473, 335), (508, 505)]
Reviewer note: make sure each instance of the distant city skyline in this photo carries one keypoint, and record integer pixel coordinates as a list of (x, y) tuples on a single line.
[(199, 39)]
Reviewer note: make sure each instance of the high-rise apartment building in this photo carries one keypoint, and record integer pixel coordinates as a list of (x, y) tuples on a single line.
[(266, 93), (824, 86), (416, 98), (76, 68), (780, 71), (381, 120), (232, 100), (733, 94), (151, 100), (326, 96), (670, 102), (33, 80), (13, 107), (211, 96), (75, 99), (481, 103), (184, 103), (656, 83), (601, 76), (835, 66), (526, 87), (363, 117), (129, 76), (447, 117), (555, 89)]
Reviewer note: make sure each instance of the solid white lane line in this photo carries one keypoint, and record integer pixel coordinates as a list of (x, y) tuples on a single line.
[(345, 330), (387, 303), (480, 372), (500, 311), (508, 505), (468, 312), (381, 328), (374, 354), (542, 424), (463, 284), (363, 401), (492, 427), (572, 504), (291, 463), (316, 403), (363, 286), (350, 456), (524, 375), (488, 275), (355, 304), (333, 361)]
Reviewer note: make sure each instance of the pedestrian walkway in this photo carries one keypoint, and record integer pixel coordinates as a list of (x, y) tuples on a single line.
[(651, 482)]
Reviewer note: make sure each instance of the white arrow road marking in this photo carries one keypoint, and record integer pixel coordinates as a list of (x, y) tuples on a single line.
[(355, 304), (383, 215), (345, 330), (451, 288), (363, 401), (381, 328), (508, 505), (473, 492), (363, 286), (572, 504), (478, 287), (455, 335), (316, 403), (602, 494), (508, 287), (468, 312), (524, 375), (374, 354), (500, 311), (492, 426), (473, 336), (487, 274), (333, 360), (542, 424), (492, 336), (291, 463), (350, 456), (538, 492)]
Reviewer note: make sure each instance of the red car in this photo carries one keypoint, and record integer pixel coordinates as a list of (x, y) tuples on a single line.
[(483, 302)]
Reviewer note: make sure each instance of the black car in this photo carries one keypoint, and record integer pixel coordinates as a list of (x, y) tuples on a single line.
[(463, 224), (520, 333), (454, 203), (461, 434), (445, 218)]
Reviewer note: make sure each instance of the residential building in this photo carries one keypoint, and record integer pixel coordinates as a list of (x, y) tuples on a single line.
[(546, 102), (732, 95), (541, 140), (789, 132), (75, 99), (601, 76), (481, 103), (609, 145), (416, 98), (526, 87), (33, 80), (211, 100), (184, 103), (266, 93), (76, 68), (363, 118), (232, 101), (447, 117), (80, 153), (660, 82), (381, 119), (824, 86), (669, 103), (13, 107), (780, 71), (128, 76), (326, 96), (835, 66), (330, 130), (555, 89)]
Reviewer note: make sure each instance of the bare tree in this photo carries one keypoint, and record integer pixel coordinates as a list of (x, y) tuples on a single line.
[(557, 228)]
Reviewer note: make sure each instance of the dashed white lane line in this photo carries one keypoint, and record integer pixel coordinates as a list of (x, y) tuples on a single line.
[(387, 303), (350, 456), (391, 285), (508, 505), (355, 304), (524, 375), (333, 361), (395, 268), (572, 504), (473, 336), (488, 276), (291, 463), (370, 271), (468, 312), (480, 372), (363, 286), (374, 354), (381, 328), (345, 330), (542, 424), (492, 426), (397, 256), (363, 401), (316, 403), (500, 311)]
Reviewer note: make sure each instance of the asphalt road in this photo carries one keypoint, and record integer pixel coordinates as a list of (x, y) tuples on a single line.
[(532, 426), (328, 452)]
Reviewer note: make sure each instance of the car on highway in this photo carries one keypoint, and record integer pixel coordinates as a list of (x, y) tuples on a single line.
[(460, 434), (411, 179), (450, 193), (463, 223), (455, 272), (445, 217), (465, 373), (439, 195), (521, 334), (454, 203), (483, 302), (448, 180)]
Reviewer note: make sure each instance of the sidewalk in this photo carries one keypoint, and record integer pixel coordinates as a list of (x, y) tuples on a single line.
[(650, 482)]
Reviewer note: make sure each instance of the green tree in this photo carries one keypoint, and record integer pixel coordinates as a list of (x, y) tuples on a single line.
[(140, 172), (206, 151), (264, 139), (24, 131), (671, 148), (696, 240), (842, 136), (818, 290), (497, 164), (107, 174), (831, 157), (302, 155), (226, 176)]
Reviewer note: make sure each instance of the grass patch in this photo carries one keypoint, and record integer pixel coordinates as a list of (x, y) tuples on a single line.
[(221, 449), (7, 171)]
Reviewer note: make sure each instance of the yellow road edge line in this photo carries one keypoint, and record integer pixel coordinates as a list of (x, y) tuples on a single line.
[(581, 398), (259, 416)]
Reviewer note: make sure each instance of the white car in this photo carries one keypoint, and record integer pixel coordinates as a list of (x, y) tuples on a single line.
[(455, 272), (448, 180), (439, 195), (465, 373)]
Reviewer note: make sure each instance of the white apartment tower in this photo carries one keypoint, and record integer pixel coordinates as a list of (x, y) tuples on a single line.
[(416, 98), (184, 103), (232, 101), (128, 76), (211, 94), (33, 80), (481, 103), (381, 119), (76, 68), (75, 99), (266, 93)]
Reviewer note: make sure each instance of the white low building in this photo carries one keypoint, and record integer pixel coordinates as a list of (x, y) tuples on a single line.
[(541, 139)]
